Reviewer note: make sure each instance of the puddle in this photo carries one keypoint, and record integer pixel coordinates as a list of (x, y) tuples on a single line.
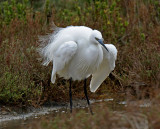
[(10, 120), (20, 120), (17, 120), (142, 103)]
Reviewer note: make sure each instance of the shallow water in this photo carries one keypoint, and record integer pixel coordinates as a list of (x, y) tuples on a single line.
[(14, 120)]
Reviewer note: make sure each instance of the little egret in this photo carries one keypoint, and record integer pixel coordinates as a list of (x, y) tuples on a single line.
[(78, 52)]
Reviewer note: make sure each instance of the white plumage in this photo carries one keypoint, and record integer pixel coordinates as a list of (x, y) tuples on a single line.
[(77, 52)]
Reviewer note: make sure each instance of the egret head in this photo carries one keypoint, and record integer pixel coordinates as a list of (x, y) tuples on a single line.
[(96, 37)]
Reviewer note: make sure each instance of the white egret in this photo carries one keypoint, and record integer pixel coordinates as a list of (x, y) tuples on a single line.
[(78, 52)]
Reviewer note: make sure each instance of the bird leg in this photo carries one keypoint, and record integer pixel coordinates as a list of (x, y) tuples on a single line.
[(70, 94), (85, 92)]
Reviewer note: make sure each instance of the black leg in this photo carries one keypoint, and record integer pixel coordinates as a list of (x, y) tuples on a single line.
[(70, 95), (85, 92)]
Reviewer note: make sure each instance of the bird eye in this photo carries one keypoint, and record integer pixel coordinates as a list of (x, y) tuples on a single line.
[(96, 38)]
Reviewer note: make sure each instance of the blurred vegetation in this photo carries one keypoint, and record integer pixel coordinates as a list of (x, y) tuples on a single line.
[(132, 26), (133, 117)]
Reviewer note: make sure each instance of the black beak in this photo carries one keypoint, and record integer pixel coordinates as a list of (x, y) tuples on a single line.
[(101, 42)]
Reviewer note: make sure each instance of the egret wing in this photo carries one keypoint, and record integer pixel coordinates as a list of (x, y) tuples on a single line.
[(105, 68), (62, 56)]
